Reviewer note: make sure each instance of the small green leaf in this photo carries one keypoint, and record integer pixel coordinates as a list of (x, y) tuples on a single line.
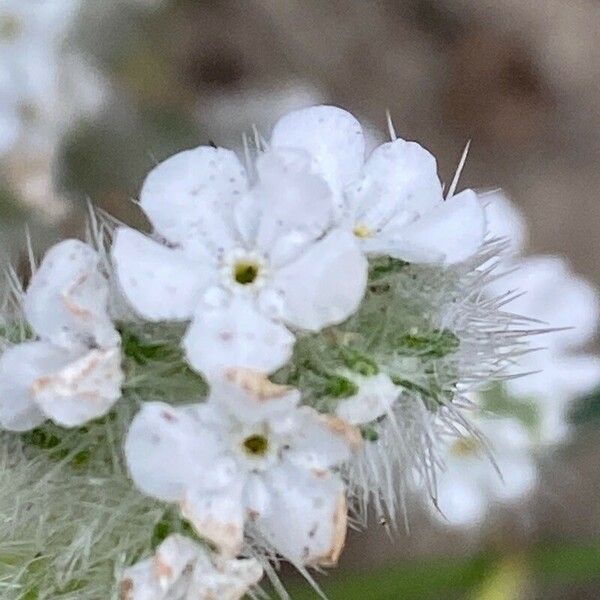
[(358, 362), (340, 387)]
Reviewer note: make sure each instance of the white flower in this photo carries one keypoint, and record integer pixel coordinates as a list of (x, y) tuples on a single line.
[(471, 482), (393, 203), (248, 455), (181, 569), (243, 262), (558, 373), (42, 86), (72, 373), (375, 396)]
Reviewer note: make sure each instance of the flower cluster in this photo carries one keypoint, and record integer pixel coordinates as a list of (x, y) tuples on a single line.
[(295, 340), (522, 416)]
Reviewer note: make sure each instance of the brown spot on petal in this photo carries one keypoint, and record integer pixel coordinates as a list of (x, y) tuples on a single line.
[(72, 306), (161, 569), (340, 518), (126, 590), (72, 375), (167, 416), (320, 473), (253, 514), (257, 384), (340, 427)]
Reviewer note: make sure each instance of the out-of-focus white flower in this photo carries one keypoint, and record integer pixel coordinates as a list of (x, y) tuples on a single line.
[(181, 569), (375, 396), (505, 221), (248, 455), (393, 203), (559, 373), (72, 373), (44, 87), (243, 262), (471, 483)]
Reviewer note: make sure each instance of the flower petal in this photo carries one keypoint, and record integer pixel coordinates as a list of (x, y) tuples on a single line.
[(461, 501), (225, 579), (331, 135), (188, 197), (236, 336), (307, 520), (398, 176), (251, 397), (454, 230), (20, 366), (576, 307), (83, 390), (155, 578), (160, 283), (374, 398), (322, 441), (67, 299), (295, 203), (217, 516), (182, 568), (139, 582), (505, 221), (167, 450), (325, 285)]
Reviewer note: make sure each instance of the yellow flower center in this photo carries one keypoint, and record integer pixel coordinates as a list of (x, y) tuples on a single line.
[(465, 447), (362, 231), (256, 445), (10, 27), (245, 272)]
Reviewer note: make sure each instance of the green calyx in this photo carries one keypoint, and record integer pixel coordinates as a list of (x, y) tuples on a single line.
[(437, 343)]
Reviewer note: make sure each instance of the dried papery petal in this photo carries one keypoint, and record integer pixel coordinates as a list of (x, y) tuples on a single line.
[(252, 397), (20, 367), (84, 389), (217, 516), (307, 517), (67, 300), (183, 569)]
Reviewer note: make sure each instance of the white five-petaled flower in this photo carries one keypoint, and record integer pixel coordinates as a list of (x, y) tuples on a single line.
[(471, 482), (248, 456), (72, 372), (393, 202), (558, 372), (243, 262), (549, 291), (182, 569)]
